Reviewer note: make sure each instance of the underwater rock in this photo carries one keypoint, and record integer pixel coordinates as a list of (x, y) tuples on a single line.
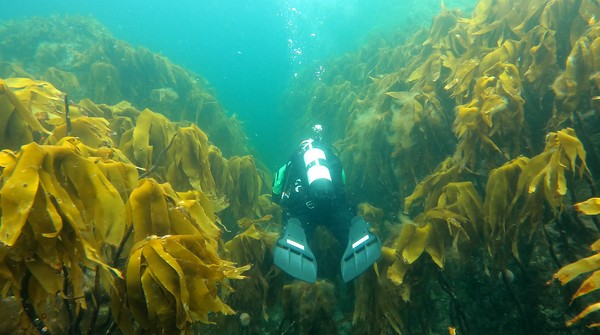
[(245, 320), (508, 275)]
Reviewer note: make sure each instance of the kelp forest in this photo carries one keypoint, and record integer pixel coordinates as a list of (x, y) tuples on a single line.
[(132, 202)]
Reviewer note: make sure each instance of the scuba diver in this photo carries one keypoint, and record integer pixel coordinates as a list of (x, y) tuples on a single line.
[(310, 188)]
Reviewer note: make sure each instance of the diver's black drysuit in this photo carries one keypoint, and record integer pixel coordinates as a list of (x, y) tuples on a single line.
[(312, 210)]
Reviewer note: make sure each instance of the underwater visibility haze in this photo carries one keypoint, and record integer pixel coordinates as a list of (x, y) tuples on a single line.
[(141, 144)]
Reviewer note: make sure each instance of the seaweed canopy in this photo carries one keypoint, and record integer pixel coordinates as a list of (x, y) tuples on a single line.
[(54, 222), (16, 118), (190, 169), (254, 246), (171, 280), (450, 222), (496, 112), (65, 81), (446, 223), (220, 171), (532, 180), (581, 71), (545, 173), (94, 132), (113, 70), (117, 169), (361, 162), (312, 305), (144, 143), (155, 209), (377, 295), (449, 226), (172, 283), (247, 186), (371, 214), (592, 263), (432, 185), (416, 133), (498, 221)]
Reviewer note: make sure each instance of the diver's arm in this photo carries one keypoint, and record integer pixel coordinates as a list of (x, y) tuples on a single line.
[(281, 178)]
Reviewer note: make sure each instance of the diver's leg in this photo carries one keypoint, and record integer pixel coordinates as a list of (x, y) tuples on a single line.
[(340, 219), (308, 222)]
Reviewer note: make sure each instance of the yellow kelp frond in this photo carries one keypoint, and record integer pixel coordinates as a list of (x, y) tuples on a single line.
[(104, 81), (33, 100), (417, 121), (220, 171), (506, 54), (119, 126), (429, 72), (266, 207), (245, 223), (242, 249), (203, 210), (85, 196), (570, 147), (247, 186), (190, 169), (441, 25), (123, 109), (88, 108), (572, 271), (493, 119), (570, 86), (500, 190), (14, 131), (122, 176), (155, 209), (13, 70), (545, 173), (265, 176), (255, 247), (103, 152), (589, 207), (59, 213), (151, 135), (462, 199), (460, 80), (592, 263), (92, 131), (19, 110), (542, 58), (412, 242), (441, 226), (172, 282), (371, 214), (432, 186), (588, 310), (64, 81)]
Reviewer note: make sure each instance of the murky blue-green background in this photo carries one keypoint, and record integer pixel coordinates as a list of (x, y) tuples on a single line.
[(247, 49)]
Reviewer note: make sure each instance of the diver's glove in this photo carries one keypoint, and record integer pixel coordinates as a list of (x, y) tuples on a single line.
[(364, 249)]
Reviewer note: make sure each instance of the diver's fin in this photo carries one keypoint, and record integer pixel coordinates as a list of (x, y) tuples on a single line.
[(292, 254), (364, 248)]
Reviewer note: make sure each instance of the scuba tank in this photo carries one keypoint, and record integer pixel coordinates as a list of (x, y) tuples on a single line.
[(320, 185)]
